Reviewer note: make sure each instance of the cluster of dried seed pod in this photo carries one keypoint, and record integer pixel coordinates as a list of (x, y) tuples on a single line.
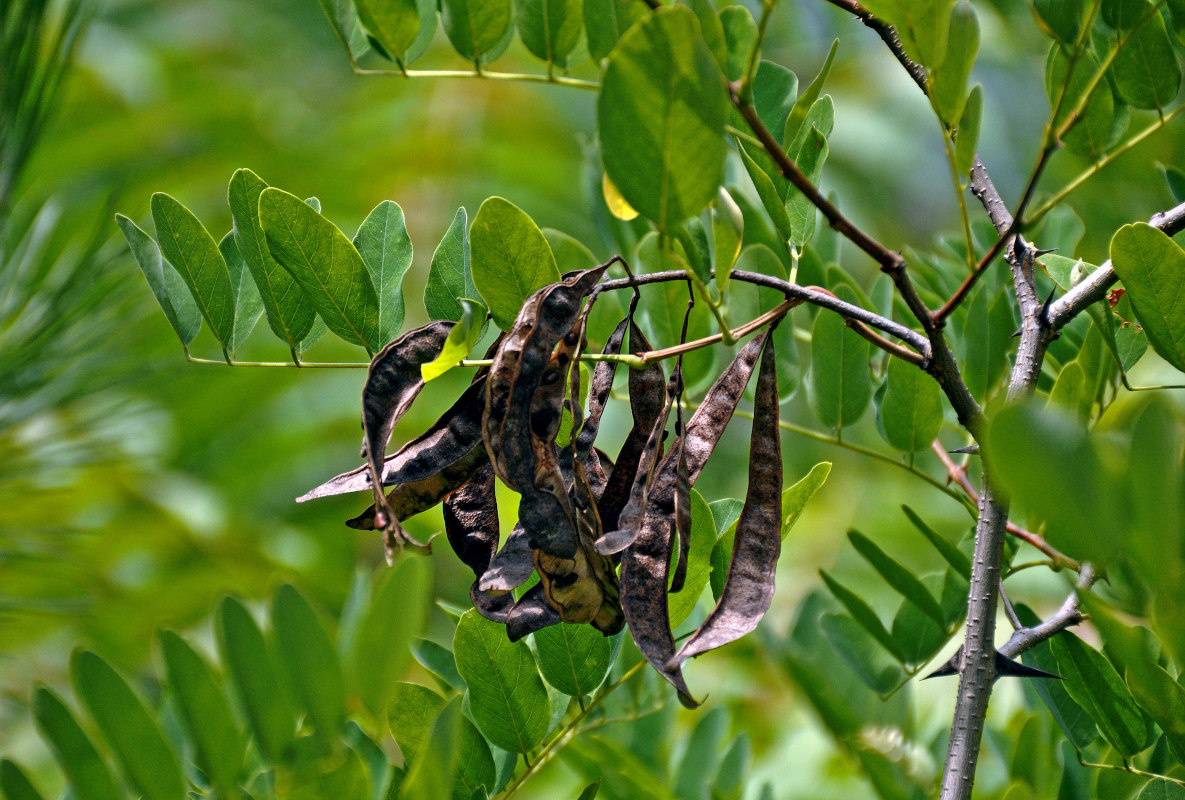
[(600, 533)]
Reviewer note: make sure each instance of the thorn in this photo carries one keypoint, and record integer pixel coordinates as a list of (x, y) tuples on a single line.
[(1006, 667), (1039, 253), (1016, 334), (971, 450), (1047, 303), (951, 667)]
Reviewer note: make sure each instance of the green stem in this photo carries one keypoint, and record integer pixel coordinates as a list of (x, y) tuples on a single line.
[(746, 89), (1097, 166), (310, 364), (819, 436), (522, 77), (957, 180)]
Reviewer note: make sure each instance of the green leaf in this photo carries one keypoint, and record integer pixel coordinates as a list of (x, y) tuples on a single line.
[(921, 24), (661, 116), (699, 562), (863, 614), (438, 660), (740, 36), (150, 763), (948, 83), (897, 576), (189, 247), (477, 774), (711, 30), (795, 498), (872, 665), (1161, 789), (255, 677), (728, 226), (87, 774), (344, 20), (511, 258), (1070, 392), (1152, 267), (987, 329), (312, 662), (397, 610), (410, 713), (165, 282), (767, 191), (1146, 71), (1092, 133), (1047, 463), (460, 342), (839, 382), (910, 413), (1093, 683), (427, 11), (1061, 19), (1069, 716), (1175, 179), (549, 28), (394, 23), (919, 636), (570, 253), (248, 305), (450, 276), (953, 555), (218, 744), (430, 775), (795, 122), (325, 265), (734, 769), (967, 133), (607, 20), (573, 658), (290, 314), (799, 207), (506, 694), (476, 28), (590, 792), (702, 756), (14, 784), (385, 246)]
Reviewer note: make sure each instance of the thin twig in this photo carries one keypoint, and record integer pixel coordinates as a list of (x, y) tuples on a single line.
[(518, 77)]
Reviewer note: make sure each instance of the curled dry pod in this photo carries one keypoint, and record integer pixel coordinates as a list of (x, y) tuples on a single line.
[(749, 588), (629, 520), (392, 383), (648, 400), (532, 612), (471, 525), (451, 438), (645, 564), (512, 419), (408, 499), (598, 394), (511, 566)]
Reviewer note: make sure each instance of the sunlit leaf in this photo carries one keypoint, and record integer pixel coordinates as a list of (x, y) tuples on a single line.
[(383, 242), (506, 694), (460, 341), (166, 284), (394, 23), (607, 20), (511, 258), (325, 265), (450, 276), (187, 245)]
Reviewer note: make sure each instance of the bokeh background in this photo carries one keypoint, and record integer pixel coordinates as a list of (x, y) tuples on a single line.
[(137, 488)]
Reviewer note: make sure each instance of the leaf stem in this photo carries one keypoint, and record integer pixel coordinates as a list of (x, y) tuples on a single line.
[(1097, 166), (287, 364), (521, 77)]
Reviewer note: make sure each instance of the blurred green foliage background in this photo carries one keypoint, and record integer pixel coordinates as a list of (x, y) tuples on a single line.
[(136, 488)]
